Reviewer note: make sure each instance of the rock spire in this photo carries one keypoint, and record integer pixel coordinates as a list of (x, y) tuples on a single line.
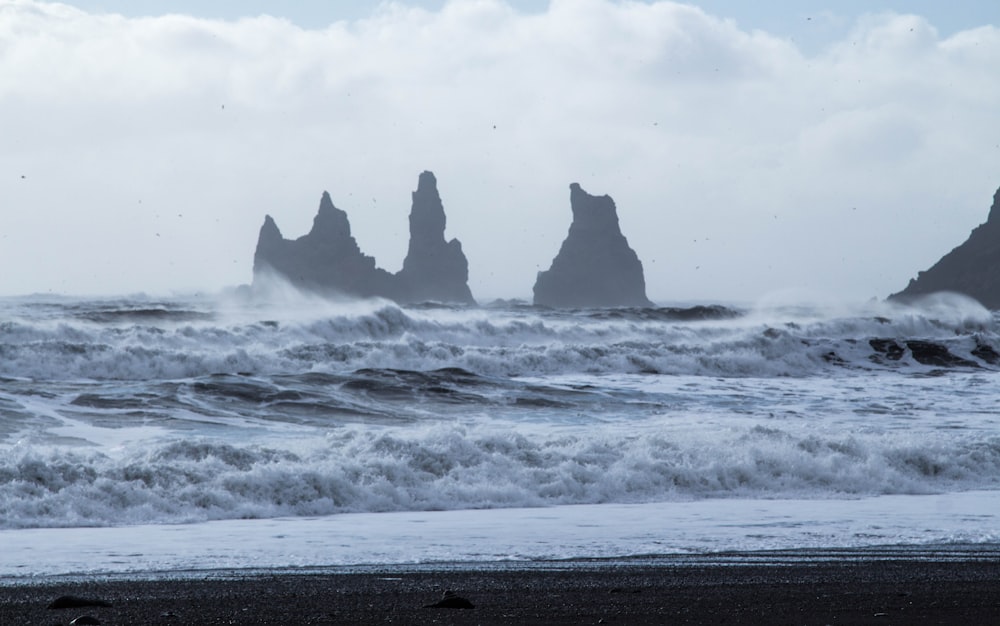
[(595, 266), (329, 261), (434, 269)]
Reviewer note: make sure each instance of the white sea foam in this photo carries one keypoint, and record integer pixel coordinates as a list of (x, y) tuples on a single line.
[(140, 411), (451, 466), (129, 343), (560, 532)]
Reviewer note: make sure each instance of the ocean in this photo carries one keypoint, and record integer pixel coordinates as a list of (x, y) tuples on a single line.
[(145, 434)]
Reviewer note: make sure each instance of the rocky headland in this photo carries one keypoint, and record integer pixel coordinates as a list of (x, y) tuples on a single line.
[(969, 269)]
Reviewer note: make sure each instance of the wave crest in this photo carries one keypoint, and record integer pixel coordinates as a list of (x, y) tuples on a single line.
[(459, 467)]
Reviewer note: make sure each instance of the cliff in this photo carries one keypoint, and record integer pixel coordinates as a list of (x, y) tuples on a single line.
[(972, 268), (595, 266)]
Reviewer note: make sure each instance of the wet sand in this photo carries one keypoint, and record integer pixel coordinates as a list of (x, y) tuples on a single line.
[(870, 587)]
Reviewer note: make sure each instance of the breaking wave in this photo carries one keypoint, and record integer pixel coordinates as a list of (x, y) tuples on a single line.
[(148, 340), (450, 466)]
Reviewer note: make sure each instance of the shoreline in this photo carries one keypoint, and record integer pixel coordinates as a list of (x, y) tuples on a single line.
[(891, 584)]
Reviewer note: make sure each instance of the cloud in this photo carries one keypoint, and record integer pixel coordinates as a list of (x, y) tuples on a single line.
[(153, 147)]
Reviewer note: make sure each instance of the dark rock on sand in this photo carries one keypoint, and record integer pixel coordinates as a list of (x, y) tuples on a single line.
[(972, 268), (76, 602), (434, 269), (451, 601), (595, 266), (329, 261)]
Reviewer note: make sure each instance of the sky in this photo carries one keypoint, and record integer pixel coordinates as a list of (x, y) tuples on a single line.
[(820, 148)]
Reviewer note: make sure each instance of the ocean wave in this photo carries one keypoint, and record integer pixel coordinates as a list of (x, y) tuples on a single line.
[(144, 340), (450, 466)]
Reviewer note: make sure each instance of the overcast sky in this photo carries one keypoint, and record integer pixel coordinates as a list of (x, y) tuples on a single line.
[(827, 148)]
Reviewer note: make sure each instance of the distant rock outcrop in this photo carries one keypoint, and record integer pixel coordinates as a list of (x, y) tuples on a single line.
[(434, 269), (329, 261), (595, 266), (972, 268)]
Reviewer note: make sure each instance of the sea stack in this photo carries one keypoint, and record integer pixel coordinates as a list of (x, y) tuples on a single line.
[(434, 269), (327, 260), (972, 268), (595, 266)]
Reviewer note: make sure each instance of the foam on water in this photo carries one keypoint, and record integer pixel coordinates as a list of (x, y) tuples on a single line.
[(449, 466), (202, 411), (159, 341), (476, 536)]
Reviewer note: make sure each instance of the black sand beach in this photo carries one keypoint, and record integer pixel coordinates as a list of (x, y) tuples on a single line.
[(833, 587)]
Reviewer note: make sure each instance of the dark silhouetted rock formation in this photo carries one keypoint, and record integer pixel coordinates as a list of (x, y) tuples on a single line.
[(434, 269), (595, 266), (76, 602), (328, 260), (451, 600), (972, 268)]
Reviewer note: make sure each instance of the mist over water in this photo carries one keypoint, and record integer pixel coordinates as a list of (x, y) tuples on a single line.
[(148, 410)]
